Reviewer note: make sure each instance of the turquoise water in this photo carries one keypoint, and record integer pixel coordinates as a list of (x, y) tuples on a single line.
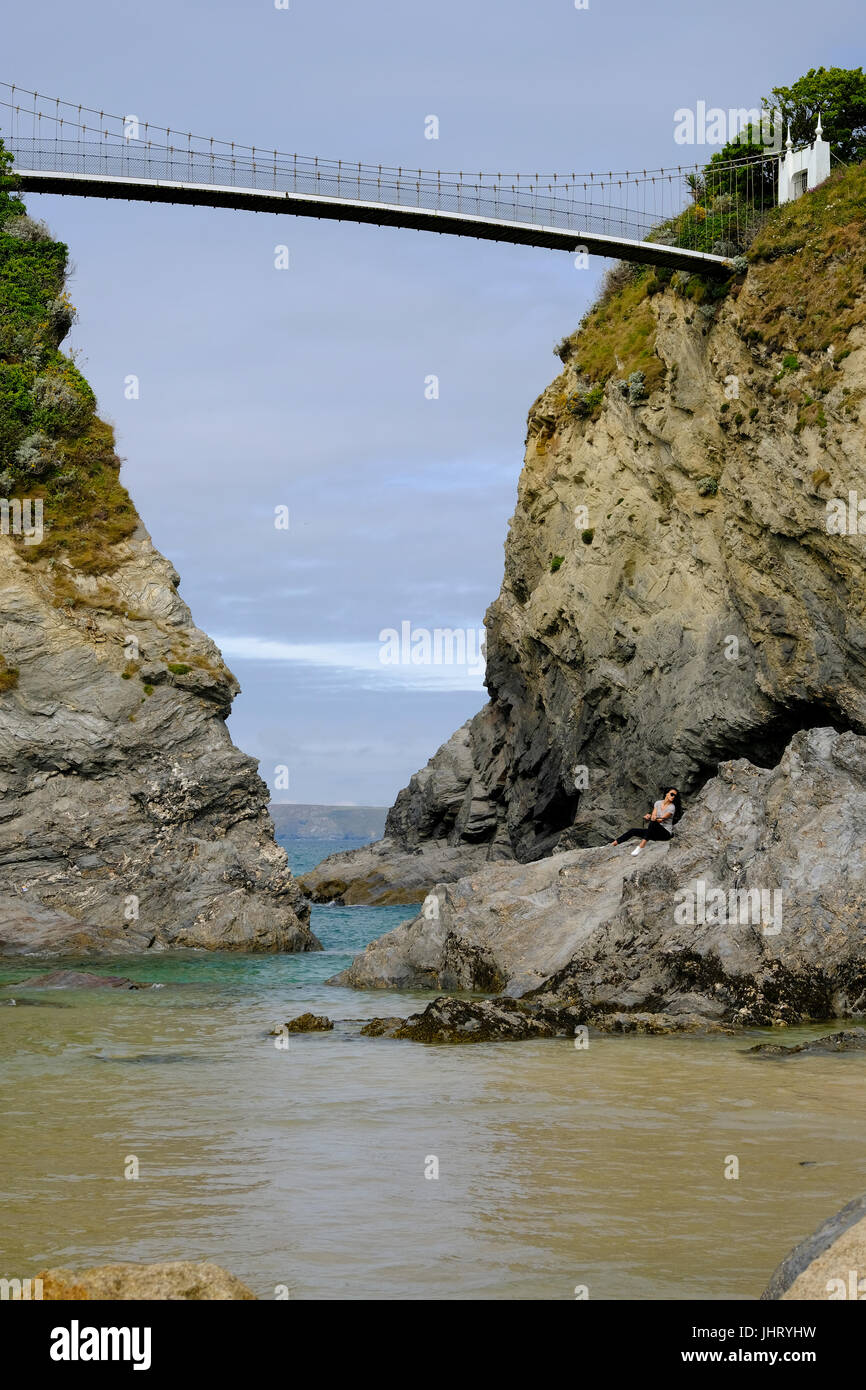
[(306, 1167), (343, 932)]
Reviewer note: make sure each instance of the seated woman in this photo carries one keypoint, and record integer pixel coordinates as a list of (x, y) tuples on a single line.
[(659, 822)]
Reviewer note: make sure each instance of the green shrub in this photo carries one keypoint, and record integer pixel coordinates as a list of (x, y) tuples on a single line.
[(63, 401), (178, 669), (555, 563), (707, 487), (53, 447), (585, 402), (34, 457), (587, 535), (637, 391)]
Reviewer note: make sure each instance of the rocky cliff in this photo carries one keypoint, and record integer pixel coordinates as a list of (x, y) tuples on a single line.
[(128, 819), (684, 572)]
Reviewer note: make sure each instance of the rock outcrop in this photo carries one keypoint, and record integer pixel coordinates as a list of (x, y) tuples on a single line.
[(447, 1020), (830, 1264), (304, 1023), (754, 914), (128, 819), (681, 587), (125, 804), (849, 1040), (178, 1279)]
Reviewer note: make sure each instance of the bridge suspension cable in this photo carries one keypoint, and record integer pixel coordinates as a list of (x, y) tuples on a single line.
[(709, 209)]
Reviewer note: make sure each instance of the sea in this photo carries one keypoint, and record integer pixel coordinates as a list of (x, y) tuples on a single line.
[(167, 1124)]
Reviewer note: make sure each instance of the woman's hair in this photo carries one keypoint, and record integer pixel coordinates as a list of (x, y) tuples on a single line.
[(678, 805)]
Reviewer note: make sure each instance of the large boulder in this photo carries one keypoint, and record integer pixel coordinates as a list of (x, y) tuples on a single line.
[(829, 1264), (754, 914)]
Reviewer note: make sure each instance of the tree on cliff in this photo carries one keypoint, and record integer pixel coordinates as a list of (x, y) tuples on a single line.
[(839, 94)]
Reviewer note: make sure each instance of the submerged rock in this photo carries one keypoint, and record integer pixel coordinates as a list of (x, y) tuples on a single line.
[(33, 1004), (151, 1058), (829, 1264), (754, 914), (503, 1019), (179, 1279), (656, 1024), (469, 1021), (852, 1040), (79, 979), (381, 1027)]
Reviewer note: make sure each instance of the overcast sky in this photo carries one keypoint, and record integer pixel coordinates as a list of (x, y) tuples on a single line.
[(306, 387)]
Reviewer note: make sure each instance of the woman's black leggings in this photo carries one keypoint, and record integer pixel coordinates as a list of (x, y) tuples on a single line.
[(651, 830)]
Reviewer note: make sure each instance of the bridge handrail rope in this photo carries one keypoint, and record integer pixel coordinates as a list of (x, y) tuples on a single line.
[(48, 134)]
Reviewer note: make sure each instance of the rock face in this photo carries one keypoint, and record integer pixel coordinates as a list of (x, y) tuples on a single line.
[(130, 812), (754, 914), (180, 1279), (829, 1264), (672, 596)]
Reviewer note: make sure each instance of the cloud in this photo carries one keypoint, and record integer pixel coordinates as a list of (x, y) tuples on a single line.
[(361, 659)]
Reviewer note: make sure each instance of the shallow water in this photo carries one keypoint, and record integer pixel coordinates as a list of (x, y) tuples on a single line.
[(305, 1167)]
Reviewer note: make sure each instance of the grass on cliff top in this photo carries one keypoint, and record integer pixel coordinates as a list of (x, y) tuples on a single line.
[(809, 261), (618, 335), (87, 510), (809, 257), (53, 445)]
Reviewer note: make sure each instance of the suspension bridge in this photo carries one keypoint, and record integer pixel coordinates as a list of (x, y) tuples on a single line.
[(649, 216)]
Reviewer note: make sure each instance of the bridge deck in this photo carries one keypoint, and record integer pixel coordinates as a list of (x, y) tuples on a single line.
[(382, 214)]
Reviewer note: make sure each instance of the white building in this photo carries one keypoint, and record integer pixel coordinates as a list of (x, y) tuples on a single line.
[(800, 170)]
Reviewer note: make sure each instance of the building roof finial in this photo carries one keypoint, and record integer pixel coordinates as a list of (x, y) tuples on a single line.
[(819, 129), (789, 144)]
